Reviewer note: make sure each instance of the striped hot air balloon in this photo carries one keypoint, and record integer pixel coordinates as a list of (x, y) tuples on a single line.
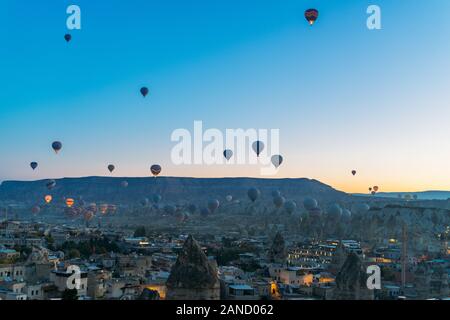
[(311, 15)]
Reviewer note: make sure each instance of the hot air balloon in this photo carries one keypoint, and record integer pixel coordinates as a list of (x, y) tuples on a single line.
[(204, 212), (276, 193), (228, 154), (276, 160), (145, 202), (48, 198), (111, 168), (92, 207), (156, 198), (375, 188), (229, 198), (370, 189), (311, 15), (290, 206), (310, 204), (353, 172), (103, 208), (253, 194), (258, 147), (144, 91), (124, 184), (56, 146), (278, 201), (192, 208), (360, 208), (112, 208), (88, 215), (67, 37), (70, 202), (50, 184), (213, 204), (35, 210), (346, 213), (33, 165), (415, 197), (373, 192), (155, 169), (334, 211)]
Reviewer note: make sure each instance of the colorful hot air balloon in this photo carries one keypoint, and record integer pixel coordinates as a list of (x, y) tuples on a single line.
[(277, 160), (311, 15), (353, 172), (155, 169), (111, 168), (67, 37), (103, 208), (69, 202), (33, 165), (57, 146), (228, 154), (144, 91), (258, 147), (253, 194), (48, 198), (375, 188)]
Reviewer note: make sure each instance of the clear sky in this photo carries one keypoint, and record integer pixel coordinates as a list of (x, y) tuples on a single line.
[(342, 96)]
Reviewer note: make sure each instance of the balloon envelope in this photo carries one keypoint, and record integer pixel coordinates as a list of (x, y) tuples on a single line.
[(278, 201), (290, 206), (258, 147), (311, 15), (253, 194), (310, 203), (124, 184), (51, 184), (111, 168), (155, 169), (48, 198), (67, 37), (56, 146), (213, 205), (228, 154), (277, 160), (229, 198), (144, 91), (353, 172), (70, 202), (33, 165)]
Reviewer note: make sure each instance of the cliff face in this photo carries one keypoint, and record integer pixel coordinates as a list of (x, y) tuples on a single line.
[(110, 189), (193, 276)]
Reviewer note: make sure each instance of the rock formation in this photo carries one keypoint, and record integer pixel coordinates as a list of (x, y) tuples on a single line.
[(277, 253), (193, 277)]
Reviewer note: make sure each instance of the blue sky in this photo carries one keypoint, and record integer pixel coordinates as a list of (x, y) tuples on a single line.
[(342, 96)]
